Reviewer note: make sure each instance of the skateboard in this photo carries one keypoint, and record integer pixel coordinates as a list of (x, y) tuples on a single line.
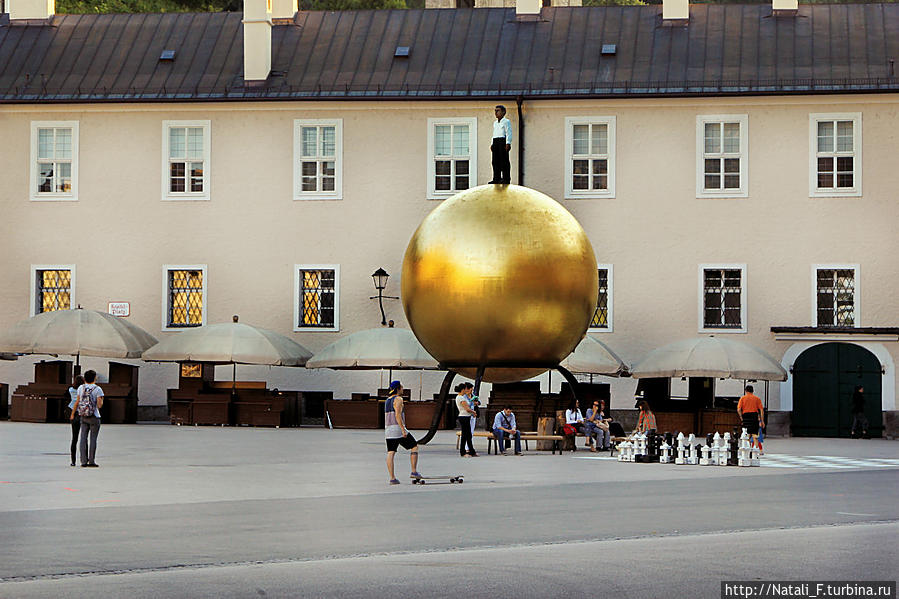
[(422, 480)]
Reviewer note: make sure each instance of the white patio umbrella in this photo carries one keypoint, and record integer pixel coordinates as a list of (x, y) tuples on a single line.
[(77, 332), (710, 357), (374, 349), (229, 343), (592, 356)]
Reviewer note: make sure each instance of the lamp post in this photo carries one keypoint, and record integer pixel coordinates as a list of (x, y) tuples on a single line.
[(380, 277)]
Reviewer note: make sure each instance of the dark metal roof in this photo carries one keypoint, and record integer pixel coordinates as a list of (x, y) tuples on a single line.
[(837, 330), (725, 49)]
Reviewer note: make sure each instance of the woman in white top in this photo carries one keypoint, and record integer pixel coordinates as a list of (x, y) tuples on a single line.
[(575, 418), (466, 412)]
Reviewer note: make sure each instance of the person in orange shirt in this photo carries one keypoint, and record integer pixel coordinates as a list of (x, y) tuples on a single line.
[(752, 414)]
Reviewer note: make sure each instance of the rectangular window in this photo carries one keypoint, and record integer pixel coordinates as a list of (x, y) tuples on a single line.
[(452, 156), (186, 153), (722, 156), (602, 316), (835, 291), (54, 160), (52, 288), (185, 295), (318, 152), (590, 157), (835, 151), (316, 297), (723, 291)]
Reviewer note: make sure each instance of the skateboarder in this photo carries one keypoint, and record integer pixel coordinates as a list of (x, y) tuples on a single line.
[(396, 433)]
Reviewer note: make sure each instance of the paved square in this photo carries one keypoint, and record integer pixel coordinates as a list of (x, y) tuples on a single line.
[(236, 512)]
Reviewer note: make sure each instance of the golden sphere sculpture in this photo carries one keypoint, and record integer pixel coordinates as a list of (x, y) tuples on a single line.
[(499, 276)]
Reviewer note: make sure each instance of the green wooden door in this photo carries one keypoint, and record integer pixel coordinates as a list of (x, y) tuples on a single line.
[(824, 378)]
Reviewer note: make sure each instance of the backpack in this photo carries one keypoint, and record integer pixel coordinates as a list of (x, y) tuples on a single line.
[(88, 403)]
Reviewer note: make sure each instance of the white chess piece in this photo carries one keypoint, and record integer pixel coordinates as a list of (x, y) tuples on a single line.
[(622, 449), (680, 459), (715, 450), (754, 455), (692, 458), (743, 450), (665, 458), (704, 460)]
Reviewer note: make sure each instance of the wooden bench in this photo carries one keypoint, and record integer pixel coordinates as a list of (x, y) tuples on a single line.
[(525, 437)]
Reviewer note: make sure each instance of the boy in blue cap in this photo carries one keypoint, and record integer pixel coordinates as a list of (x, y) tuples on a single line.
[(395, 432)]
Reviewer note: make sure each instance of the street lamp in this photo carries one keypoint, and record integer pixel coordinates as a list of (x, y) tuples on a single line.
[(380, 277)]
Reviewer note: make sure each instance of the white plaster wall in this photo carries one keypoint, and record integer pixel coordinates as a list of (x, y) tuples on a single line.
[(251, 233)]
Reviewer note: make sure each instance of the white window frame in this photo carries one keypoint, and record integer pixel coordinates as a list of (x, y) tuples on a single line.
[(856, 190), (207, 162), (856, 300), (472, 122), (570, 192), (34, 171), (609, 304), (35, 268), (744, 313), (297, 268), (743, 121), (165, 293), (298, 193)]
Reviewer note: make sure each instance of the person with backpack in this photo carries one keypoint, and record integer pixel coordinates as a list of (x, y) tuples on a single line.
[(87, 406)]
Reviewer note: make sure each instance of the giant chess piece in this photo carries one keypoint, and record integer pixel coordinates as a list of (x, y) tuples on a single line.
[(743, 452), (680, 459), (665, 457), (716, 449), (652, 446), (692, 458), (754, 455), (704, 460), (724, 452), (620, 449)]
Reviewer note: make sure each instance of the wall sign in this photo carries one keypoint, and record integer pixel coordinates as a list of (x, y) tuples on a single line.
[(120, 308)]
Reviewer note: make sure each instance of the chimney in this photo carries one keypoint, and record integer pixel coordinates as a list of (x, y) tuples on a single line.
[(257, 40), (31, 9), (675, 12), (283, 11), (527, 9), (785, 7)]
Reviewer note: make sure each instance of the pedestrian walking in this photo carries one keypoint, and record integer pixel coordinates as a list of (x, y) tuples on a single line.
[(859, 420), (73, 415), (88, 402), (396, 434), (751, 413)]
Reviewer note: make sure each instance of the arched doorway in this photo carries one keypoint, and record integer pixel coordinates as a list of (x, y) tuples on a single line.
[(824, 377)]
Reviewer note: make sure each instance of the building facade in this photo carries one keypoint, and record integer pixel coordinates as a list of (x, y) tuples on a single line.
[(715, 205)]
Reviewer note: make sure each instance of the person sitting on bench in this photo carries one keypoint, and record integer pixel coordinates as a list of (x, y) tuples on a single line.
[(597, 425), (504, 424), (575, 419)]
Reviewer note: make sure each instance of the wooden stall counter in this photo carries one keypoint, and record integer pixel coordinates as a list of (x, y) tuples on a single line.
[(120, 394), (346, 413), (46, 399)]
